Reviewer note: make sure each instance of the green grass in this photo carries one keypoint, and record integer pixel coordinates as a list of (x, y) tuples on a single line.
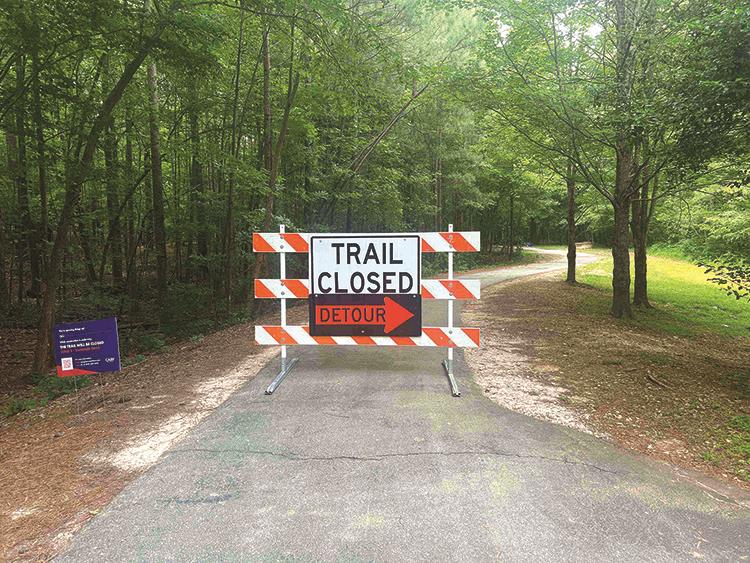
[(685, 302), (46, 388), (731, 445)]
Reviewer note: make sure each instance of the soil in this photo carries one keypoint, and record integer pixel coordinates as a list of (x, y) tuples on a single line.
[(63, 463), (669, 397)]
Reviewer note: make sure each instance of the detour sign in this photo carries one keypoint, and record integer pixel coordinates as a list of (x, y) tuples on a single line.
[(365, 285)]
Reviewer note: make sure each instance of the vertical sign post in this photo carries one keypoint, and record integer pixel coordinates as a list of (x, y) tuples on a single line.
[(286, 366), (448, 364)]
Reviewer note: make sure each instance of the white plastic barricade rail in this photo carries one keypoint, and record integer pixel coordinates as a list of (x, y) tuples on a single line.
[(448, 289)]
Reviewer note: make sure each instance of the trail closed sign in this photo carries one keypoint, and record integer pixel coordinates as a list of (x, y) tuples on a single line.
[(365, 285)]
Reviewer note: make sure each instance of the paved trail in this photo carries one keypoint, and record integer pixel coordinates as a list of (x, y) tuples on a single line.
[(364, 455)]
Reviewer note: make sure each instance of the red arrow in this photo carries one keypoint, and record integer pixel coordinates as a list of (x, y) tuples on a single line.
[(390, 314)]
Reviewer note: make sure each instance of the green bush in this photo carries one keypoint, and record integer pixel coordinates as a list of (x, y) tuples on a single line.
[(53, 387), (16, 405)]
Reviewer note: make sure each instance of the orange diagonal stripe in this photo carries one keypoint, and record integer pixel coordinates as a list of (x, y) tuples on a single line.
[(438, 336), (426, 246), (426, 294), (298, 289), (260, 244), (297, 242), (280, 335), (458, 242), (458, 289), (262, 291), (472, 333)]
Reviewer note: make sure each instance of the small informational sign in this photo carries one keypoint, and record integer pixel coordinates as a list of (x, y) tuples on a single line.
[(87, 347), (365, 285)]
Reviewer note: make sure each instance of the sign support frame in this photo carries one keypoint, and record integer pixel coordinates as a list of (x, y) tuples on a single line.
[(449, 289), (448, 363), (286, 366)]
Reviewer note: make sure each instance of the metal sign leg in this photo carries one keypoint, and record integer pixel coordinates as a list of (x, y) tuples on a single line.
[(286, 367), (448, 366)]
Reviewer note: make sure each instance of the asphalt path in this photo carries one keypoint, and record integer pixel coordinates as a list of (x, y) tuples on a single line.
[(364, 455)]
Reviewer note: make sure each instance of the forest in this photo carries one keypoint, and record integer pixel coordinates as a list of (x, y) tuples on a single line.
[(144, 141)]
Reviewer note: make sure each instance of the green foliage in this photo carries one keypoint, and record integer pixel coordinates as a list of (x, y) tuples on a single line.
[(52, 387), (46, 388), (733, 444), (15, 405), (142, 341), (407, 116), (732, 275)]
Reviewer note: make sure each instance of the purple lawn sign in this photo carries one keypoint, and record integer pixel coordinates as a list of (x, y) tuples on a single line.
[(87, 347)]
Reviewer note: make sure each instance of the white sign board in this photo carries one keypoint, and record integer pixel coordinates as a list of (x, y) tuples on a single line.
[(365, 264)]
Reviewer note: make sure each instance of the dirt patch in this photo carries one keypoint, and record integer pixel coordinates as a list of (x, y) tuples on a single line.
[(674, 398), (63, 463)]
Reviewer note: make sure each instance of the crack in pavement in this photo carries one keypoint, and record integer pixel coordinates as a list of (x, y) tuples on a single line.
[(380, 457)]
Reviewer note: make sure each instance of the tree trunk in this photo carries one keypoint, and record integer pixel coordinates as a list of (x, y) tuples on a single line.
[(234, 151), (570, 181), (113, 196), (273, 153), (511, 227), (157, 193), (84, 238), (28, 233), (132, 280), (4, 295), (438, 177), (620, 242), (640, 281), (41, 149), (11, 148), (642, 209), (438, 194), (72, 193), (260, 259), (198, 191), (624, 28)]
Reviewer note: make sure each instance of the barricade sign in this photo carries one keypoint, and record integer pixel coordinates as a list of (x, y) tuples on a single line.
[(366, 290), (365, 284)]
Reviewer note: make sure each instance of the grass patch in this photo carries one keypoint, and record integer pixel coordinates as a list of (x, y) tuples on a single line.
[(16, 405), (46, 388), (732, 446), (686, 303)]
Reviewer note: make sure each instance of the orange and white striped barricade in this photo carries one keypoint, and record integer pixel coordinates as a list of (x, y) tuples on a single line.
[(366, 290)]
